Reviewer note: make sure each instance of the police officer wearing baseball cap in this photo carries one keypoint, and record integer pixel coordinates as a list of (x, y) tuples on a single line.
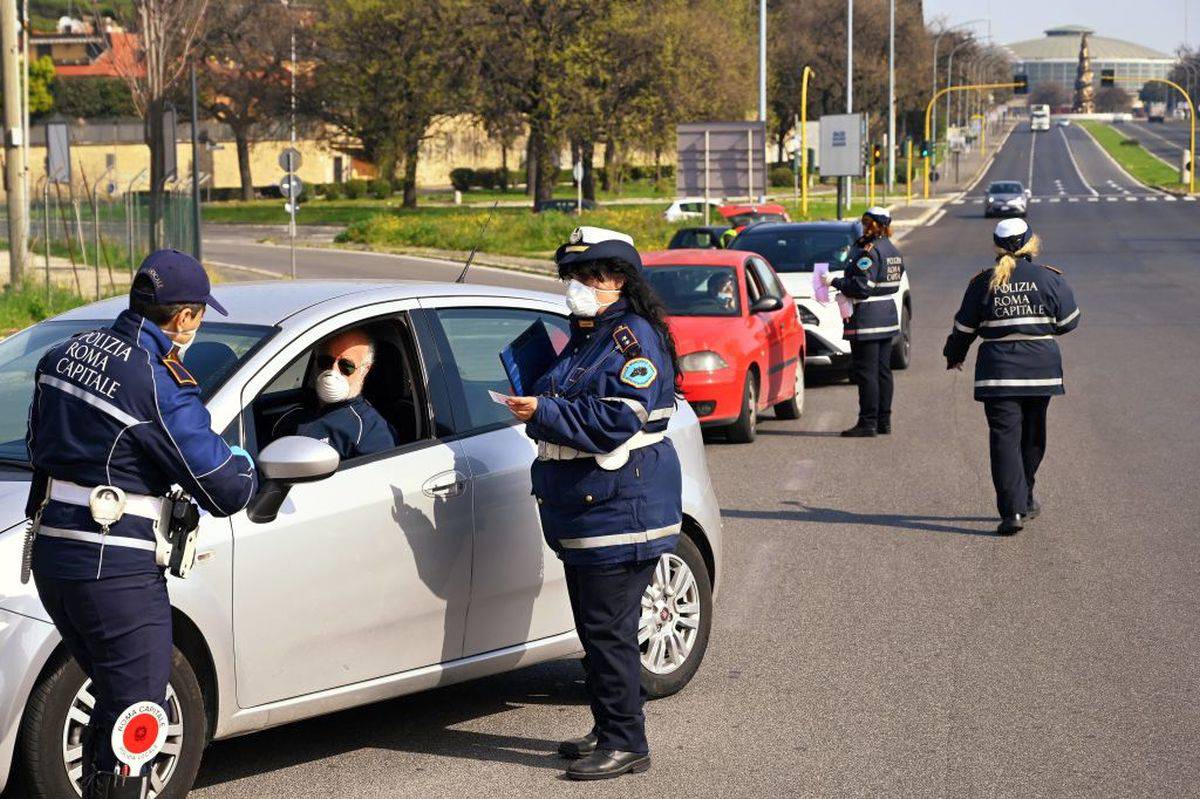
[(608, 480), (116, 420), (1017, 308), (871, 279)]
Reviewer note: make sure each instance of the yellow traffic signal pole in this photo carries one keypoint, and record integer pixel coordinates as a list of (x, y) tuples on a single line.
[(808, 73), (871, 177), (1192, 150), (944, 91), (908, 171)]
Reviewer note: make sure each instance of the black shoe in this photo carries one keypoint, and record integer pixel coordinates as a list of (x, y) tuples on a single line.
[(578, 747), (859, 431), (603, 765), (1010, 525), (884, 428), (1035, 508)]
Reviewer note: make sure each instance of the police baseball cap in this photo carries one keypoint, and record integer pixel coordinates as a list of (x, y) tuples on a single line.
[(1012, 234), (879, 214), (589, 243), (176, 277)]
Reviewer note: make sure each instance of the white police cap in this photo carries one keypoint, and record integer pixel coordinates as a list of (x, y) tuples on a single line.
[(879, 214), (587, 234), (589, 243), (1012, 234)]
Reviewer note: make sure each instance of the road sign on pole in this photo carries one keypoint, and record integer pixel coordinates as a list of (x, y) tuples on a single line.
[(289, 159), (290, 186)]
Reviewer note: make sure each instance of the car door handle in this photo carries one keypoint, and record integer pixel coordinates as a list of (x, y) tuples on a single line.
[(446, 484)]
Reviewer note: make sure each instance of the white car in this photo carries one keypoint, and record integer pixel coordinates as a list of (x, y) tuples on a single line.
[(793, 248), (691, 208)]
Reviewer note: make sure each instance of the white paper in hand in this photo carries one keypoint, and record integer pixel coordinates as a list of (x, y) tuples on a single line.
[(820, 290), (497, 397)]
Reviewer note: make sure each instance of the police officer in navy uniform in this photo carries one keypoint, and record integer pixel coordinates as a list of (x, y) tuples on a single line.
[(607, 481), (116, 420), (871, 279), (1017, 308)]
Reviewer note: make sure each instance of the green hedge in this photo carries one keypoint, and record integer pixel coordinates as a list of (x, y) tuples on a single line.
[(92, 98)]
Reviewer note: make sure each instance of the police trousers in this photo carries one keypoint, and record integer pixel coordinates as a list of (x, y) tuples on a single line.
[(607, 604), (1017, 439), (118, 629), (871, 371)]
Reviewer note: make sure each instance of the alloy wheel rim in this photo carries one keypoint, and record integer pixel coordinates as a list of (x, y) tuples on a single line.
[(80, 713), (799, 392), (670, 620)]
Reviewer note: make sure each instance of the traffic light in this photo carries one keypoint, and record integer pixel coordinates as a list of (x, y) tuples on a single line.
[(925, 150), (1108, 77), (1022, 86), (876, 153)]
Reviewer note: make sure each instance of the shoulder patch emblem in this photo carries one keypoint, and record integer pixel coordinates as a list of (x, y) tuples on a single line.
[(639, 373), (864, 263), (177, 370), (624, 338), (1053, 269)]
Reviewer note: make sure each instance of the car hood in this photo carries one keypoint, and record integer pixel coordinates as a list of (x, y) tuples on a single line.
[(696, 333), (15, 597), (800, 284), (1005, 197)]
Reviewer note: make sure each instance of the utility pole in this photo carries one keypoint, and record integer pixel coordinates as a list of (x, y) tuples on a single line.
[(197, 247), (891, 140), (849, 84), (14, 152), (762, 80)]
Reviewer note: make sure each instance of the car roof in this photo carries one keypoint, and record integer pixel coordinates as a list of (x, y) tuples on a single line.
[(274, 301), (743, 208), (709, 228), (848, 225), (693, 257)]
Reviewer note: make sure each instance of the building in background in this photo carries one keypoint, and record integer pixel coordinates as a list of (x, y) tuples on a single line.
[(1055, 58)]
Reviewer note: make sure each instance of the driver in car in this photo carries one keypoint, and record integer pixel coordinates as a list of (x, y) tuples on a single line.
[(721, 289), (341, 416)]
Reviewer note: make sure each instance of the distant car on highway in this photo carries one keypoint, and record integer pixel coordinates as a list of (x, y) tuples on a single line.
[(356, 581), (793, 249), (706, 237), (739, 216), (1006, 198), (1156, 112), (738, 335), (1064, 122), (689, 208), (563, 205)]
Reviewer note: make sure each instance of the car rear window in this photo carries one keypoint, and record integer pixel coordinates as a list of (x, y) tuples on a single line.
[(696, 290), (798, 250), (1005, 188)]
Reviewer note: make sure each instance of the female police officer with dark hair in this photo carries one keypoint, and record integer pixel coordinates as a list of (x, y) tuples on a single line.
[(1016, 307), (607, 481), (872, 277)]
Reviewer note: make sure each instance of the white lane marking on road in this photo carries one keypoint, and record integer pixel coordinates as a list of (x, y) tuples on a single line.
[(977, 202), (1112, 199), (1190, 198), (1032, 148), (1120, 168), (1056, 199), (1131, 199), (933, 220), (1169, 199), (1075, 164), (1093, 199), (958, 202), (1035, 199), (1151, 199), (1072, 199)]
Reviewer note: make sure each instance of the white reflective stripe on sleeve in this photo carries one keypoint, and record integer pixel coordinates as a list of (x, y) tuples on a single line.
[(638, 407), (871, 284), (617, 539), (661, 413), (961, 328), (1017, 320), (888, 329), (1016, 337), (1041, 381), (97, 538), (1070, 316), (89, 398)]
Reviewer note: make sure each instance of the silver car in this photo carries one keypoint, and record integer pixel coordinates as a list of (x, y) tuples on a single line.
[(395, 573)]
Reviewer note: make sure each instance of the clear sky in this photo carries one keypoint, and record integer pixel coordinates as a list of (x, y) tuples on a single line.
[(1153, 23)]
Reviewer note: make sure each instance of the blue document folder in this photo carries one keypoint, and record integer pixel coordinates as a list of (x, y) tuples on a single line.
[(527, 358)]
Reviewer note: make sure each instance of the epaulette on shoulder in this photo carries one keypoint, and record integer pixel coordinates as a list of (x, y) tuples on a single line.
[(624, 338), (1053, 269), (177, 370)]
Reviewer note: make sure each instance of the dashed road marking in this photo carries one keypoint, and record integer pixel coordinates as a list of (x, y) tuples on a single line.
[(958, 202), (1072, 199)]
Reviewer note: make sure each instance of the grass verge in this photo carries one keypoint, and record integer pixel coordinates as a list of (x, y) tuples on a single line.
[(22, 305), (1135, 159)]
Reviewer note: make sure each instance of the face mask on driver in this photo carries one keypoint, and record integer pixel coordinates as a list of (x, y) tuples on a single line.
[(332, 386)]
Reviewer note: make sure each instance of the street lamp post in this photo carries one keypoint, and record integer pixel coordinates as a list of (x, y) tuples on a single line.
[(891, 141), (804, 76), (849, 87), (937, 40), (950, 73)]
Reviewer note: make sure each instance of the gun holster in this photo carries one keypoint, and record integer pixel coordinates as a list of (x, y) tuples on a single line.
[(175, 534)]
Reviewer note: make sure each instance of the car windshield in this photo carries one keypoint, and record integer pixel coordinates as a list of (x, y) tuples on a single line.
[(1005, 188), (798, 250), (695, 238), (696, 290), (739, 220), (219, 348)]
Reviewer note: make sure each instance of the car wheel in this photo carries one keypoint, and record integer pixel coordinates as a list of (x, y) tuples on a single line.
[(902, 344), (745, 429), (793, 407), (51, 756), (676, 620)]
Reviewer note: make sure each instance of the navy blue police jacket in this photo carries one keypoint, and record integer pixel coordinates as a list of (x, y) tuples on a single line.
[(353, 427), (613, 380), (1016, 323), (871, 280), (115, 406)]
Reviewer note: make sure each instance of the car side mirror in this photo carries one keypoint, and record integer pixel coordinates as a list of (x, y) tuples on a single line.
[(1028, 193), (766, 305), (285, 462)]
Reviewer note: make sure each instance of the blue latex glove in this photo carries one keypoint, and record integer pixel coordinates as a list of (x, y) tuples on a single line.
[(239, 451)]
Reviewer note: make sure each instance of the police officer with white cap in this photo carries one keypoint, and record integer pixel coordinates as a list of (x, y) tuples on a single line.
[(1017, 308), (871, 279)]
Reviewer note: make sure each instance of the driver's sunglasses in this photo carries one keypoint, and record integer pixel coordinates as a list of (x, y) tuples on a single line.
[(344, 365)]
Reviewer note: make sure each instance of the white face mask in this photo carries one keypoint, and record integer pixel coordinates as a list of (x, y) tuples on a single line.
[(332, 386), (583, 300), (182, 340)]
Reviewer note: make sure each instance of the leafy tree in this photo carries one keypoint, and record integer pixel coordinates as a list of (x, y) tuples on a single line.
[(1113, 99), (92, 98), (1049, 93), (41, 77)]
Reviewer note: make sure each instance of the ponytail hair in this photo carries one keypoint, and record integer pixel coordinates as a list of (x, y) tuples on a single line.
[(1006, 261)]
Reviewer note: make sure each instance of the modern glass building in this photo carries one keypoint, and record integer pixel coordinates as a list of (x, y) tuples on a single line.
[(1054, 58)]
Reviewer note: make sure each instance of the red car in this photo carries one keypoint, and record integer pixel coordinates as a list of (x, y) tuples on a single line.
[(740, 342), (738, 216)]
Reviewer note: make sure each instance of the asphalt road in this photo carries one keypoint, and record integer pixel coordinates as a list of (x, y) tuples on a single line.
[(874, 638), (1168, 140)]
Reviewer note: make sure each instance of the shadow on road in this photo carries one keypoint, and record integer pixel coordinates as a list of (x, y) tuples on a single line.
[(806, 513), (422, 723)]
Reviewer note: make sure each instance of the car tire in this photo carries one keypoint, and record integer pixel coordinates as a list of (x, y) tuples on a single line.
[(694, 595), (745, 429), (902, 344), (793, 406), (47, 733)]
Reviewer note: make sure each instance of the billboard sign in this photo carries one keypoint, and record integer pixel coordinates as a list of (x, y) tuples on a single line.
[(721, 159), (843, 138)]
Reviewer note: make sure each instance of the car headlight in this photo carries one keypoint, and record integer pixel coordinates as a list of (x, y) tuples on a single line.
[(806, 316), (991, 200), (704, 361)]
